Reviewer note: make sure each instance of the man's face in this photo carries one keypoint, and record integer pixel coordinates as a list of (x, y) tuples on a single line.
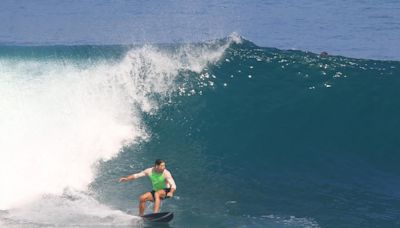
[(161, 167)]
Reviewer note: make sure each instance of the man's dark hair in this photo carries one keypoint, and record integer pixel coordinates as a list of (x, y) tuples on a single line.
[(159, 161)]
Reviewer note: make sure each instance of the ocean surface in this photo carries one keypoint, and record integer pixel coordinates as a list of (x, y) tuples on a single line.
[(353, 28), (254, 136)]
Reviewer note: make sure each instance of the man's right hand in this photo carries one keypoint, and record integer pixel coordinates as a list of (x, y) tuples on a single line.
[(123, 179)]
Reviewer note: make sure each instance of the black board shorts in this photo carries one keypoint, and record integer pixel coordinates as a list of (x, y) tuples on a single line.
[(166, 192)]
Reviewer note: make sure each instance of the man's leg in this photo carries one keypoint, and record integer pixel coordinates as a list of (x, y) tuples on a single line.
[(142, 202), (160, 194)]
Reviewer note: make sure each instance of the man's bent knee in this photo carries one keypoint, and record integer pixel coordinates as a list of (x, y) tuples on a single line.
[(160, 194), (143, 198)]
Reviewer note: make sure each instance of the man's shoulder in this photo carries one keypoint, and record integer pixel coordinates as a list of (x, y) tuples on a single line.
[(148, 170), (166, 172)]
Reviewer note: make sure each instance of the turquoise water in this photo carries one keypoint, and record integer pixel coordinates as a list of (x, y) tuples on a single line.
[(255, 137)]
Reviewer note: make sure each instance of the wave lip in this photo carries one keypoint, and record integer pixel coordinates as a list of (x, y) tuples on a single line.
[(60, 116)]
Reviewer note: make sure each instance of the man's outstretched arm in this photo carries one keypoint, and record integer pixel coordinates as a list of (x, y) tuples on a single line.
[(133, 176)]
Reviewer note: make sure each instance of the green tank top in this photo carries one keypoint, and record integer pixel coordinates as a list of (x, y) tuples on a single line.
[(157, 180)]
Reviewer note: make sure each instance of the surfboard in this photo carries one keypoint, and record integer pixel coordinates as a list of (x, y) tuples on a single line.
[(158, 217)]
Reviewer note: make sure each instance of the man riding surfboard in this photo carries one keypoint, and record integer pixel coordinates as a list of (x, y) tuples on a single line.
[(163, 185)]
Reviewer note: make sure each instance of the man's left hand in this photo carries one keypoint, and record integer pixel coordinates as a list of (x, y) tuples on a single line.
[(170, 195)]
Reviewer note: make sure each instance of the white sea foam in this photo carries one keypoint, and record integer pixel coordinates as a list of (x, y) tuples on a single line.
[(59, 117), (291, 221), (71, 209)]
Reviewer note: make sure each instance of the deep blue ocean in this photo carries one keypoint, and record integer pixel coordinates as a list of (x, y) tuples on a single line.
[(258, 128), (353, 28)]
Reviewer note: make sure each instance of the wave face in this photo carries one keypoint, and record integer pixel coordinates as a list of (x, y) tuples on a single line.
[(253, 136)]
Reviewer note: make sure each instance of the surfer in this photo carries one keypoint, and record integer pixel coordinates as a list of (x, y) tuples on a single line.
[(162, 182), (323, 54)]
